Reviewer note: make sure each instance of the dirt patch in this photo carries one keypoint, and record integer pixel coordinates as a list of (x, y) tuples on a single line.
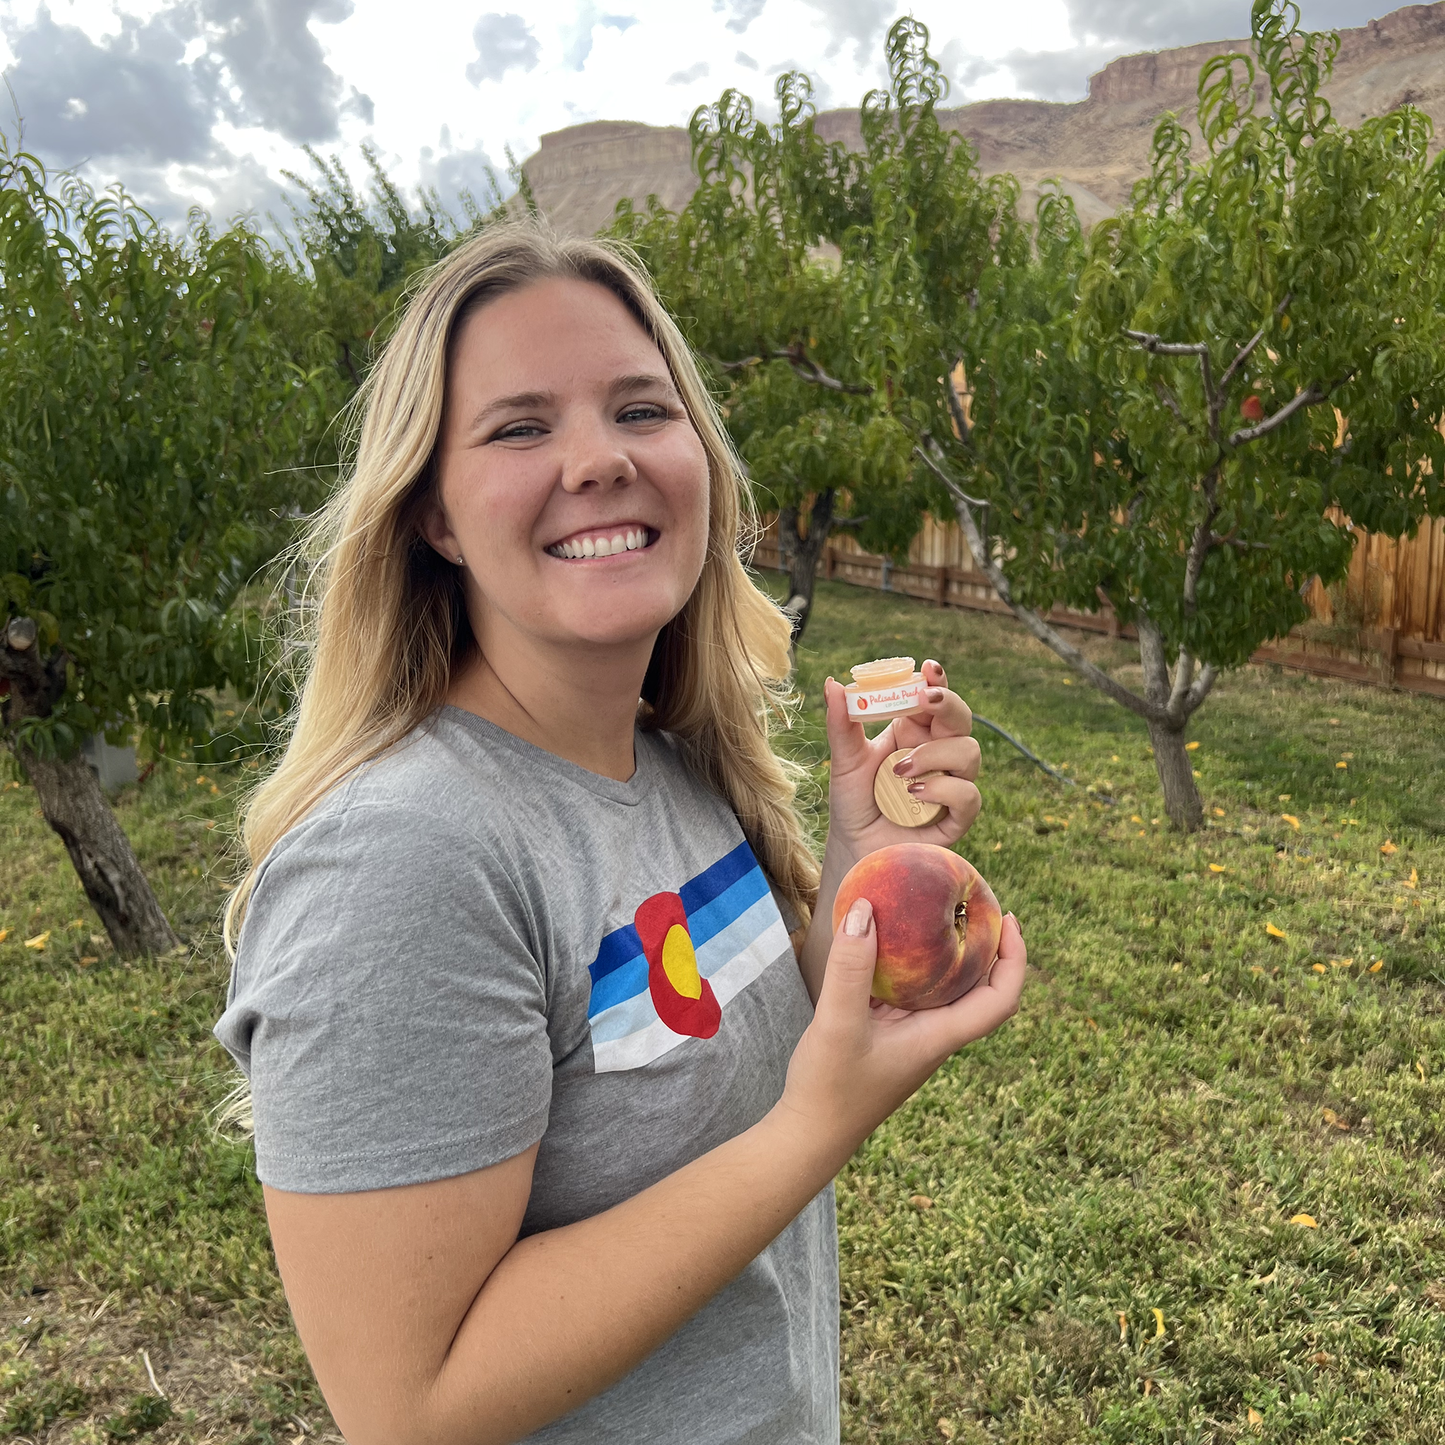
[(77, 1368)]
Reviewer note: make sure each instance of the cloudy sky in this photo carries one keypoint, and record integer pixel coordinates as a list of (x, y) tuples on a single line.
[(208, 102)]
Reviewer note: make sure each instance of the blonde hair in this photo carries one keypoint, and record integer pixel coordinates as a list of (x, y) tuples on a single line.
[(385, 621)]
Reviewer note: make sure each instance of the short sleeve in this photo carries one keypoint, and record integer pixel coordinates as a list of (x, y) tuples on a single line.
[(388, 1005)]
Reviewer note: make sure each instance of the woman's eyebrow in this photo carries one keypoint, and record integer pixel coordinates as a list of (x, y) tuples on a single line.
[(521, 400), (641, 381)]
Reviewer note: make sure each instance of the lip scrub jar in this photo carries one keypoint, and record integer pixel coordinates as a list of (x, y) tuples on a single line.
[(884, 689)]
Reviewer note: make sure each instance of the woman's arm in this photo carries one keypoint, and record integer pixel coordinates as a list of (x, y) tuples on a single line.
[(428, 1322)]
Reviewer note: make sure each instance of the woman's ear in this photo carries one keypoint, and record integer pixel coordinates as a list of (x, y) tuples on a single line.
[(438, 534)]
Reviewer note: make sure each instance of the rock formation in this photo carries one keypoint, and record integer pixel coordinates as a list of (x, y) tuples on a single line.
[(1096, 147)]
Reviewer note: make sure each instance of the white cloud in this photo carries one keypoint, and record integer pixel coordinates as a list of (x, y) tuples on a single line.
[(504, 42)]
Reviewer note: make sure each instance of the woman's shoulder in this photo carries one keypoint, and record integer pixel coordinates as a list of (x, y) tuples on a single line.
[(421, 800)]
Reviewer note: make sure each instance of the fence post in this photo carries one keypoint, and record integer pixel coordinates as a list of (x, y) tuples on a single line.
[(830, 563), (943, 575), (1387, 638)]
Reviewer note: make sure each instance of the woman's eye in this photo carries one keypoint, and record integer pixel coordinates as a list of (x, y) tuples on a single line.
[(516, 430), (648, 411)]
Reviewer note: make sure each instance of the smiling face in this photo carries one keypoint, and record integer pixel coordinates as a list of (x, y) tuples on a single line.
[(570, 477)]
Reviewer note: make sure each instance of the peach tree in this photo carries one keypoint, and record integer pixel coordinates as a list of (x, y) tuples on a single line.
[(1180, 413), (749, 269), (150, 417)]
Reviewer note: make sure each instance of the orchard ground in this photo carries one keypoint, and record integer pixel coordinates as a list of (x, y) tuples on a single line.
[(1194, 1192)]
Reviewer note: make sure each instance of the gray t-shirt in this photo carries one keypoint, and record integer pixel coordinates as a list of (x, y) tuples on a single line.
[(471, 945)]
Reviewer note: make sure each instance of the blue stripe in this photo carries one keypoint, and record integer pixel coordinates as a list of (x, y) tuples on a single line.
[(726, 907), (622, 944), (717, 879), (715, 901)]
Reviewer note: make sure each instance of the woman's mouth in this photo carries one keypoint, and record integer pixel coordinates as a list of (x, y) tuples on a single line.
[(604, 542)]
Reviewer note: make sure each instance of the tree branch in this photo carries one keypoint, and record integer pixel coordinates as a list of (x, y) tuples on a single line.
[(1172, 402), (1159, 347), (1194, 698), (964, 505), (1242, 355), (803, 365), (1308, 397)]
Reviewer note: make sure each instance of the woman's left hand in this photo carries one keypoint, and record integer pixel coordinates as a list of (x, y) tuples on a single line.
[(939, 738)]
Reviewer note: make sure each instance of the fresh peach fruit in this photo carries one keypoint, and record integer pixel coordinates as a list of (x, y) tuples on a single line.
[(938, 922), (1252, 408)]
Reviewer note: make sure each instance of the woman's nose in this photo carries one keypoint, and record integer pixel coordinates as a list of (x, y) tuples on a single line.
[(596, 459)]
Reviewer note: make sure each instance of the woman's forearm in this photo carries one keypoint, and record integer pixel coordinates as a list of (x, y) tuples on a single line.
[(569, 1312)]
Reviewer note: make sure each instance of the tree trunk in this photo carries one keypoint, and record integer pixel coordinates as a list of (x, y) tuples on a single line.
[(1176, 777), (73, 803), (1181, 797), (801, 555)]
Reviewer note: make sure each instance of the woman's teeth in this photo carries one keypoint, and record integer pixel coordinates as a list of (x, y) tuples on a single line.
[(600, 546)]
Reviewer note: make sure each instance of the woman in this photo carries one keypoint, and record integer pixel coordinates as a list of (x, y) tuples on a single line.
[(545, 1116)]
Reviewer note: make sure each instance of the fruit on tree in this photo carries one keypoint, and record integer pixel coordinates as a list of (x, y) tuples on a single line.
[(1252, 408), (938, 922)]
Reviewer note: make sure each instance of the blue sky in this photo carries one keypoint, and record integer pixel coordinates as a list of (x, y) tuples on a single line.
[(207, 102)]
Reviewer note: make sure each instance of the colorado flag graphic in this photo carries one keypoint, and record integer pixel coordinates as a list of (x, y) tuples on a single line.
[(668, 974)]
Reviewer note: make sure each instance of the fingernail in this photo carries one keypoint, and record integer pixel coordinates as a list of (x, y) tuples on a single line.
[(934, 694), (903, 767), (860, 915), (1017, 924), (917, 787)]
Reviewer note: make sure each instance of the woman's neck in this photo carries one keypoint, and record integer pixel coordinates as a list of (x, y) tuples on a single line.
[(577, 704)]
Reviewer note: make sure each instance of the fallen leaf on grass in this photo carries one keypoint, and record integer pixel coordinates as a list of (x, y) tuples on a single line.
[(1321, 1358), (89, 959), (998, 847), (946, 1429), (1218, 868), (1342, 765), (1290, 819), (1255, 968), (4, 934), (1319, 968), (1148, 1387), (1334, 1121), (1342, 962), (1387, 847), (1158, 1323), (1123, 1327), (1135, 818), (1092, 1025), (1285, 797), (1274, 932), (1219, 812), (1413, 881), (920, 1201), (1305, 1221), (1376, 966), (39, 941), (1190, 747), (1254, 1417)]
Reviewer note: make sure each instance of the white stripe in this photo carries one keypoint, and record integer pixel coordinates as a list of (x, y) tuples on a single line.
[(652, 1040)]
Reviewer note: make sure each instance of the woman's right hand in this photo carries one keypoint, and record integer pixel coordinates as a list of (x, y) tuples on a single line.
[(860, 1059)]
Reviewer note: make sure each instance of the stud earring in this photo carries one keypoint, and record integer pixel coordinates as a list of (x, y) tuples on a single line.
[(459, 559)]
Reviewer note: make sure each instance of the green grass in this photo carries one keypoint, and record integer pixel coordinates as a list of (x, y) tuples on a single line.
[(1178, 1086)]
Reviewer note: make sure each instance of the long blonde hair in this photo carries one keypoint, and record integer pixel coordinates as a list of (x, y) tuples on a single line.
[(384, 622)]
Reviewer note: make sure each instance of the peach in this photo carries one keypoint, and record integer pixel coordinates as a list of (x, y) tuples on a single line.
[(938, 922)]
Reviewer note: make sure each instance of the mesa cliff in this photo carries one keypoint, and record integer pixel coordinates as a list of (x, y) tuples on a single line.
[(1096, 147)]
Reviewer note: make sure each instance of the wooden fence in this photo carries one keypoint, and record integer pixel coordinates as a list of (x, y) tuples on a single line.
[(1385, 624)]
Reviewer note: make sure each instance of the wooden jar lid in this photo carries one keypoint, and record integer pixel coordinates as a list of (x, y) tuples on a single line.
[(896, 803)]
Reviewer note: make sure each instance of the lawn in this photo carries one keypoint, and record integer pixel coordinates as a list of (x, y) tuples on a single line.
[(1193, 1192)]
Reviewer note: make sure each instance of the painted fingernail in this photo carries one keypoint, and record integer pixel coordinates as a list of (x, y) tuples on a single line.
[(917, 787), (934, 694), (903, 767), (860, 915)]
